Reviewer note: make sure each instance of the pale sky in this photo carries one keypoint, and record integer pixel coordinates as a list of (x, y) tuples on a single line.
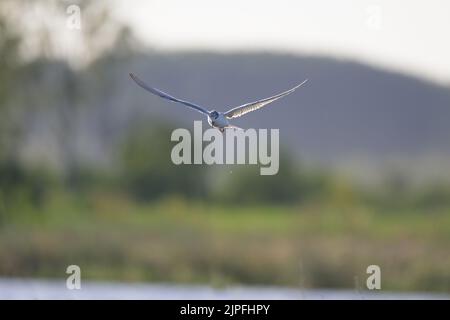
[(410, 36)]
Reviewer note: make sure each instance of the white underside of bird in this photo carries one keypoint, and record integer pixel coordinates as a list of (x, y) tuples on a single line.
[(216, 119)]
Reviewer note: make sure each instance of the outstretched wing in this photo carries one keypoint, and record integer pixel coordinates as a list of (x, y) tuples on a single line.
[(167, 96), (252, 106)]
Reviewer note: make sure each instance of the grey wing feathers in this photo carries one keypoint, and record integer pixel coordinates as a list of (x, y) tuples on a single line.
[(165, 95), (252, 106)]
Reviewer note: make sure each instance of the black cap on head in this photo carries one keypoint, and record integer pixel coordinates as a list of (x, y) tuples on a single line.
[(214, 114)]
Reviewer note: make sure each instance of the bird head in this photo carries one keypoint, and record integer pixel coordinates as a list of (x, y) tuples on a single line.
[(213, 114)]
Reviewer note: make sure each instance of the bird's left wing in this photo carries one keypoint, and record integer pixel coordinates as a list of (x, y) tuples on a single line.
[(252, 106), (167, 96)]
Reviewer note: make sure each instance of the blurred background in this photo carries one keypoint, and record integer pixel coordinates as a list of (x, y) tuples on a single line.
[(85, 170)]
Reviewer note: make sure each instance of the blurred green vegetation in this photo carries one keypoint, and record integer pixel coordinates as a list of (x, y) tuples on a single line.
[(290, 185), (146, 219), (177, 240), (148, 172)]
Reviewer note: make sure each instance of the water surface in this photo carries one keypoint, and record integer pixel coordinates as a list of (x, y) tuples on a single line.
[(56, 289)]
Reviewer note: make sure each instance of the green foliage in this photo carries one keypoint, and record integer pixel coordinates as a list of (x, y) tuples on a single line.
[(289, 185), (9, 63), (147, 169), (21, 189), (436, 196)]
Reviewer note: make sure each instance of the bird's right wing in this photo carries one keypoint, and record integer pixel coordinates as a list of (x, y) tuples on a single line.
[(255, 105), (167, 96)]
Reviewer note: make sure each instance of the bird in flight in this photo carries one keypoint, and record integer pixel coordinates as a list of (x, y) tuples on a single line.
[(216, 119)]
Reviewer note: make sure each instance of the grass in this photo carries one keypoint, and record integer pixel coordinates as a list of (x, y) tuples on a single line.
[(313, 245)]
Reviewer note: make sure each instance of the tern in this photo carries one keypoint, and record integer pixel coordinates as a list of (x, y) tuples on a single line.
[(216, 119)]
